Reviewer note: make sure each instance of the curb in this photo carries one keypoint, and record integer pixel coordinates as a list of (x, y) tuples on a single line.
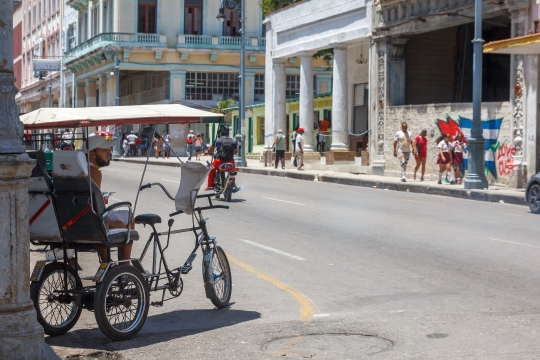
[(478, 195), (150, 162)]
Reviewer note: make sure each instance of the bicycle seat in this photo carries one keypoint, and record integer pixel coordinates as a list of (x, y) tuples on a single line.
[(150, 219), (116, 237)]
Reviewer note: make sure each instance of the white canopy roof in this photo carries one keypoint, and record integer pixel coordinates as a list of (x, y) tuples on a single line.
[(115, 115)]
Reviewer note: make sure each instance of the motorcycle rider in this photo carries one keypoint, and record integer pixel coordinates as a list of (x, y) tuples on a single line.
[(226, 148)]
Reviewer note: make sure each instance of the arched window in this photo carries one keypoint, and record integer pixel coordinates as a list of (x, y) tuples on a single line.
[(147, 17)]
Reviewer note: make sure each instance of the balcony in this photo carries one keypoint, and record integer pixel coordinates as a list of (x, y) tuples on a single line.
[(220, 42), (118, 39)]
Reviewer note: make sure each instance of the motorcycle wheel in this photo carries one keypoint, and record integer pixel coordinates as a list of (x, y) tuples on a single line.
[(228, 194)]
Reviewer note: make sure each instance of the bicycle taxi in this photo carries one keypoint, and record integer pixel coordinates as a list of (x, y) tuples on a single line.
[(68, 215)]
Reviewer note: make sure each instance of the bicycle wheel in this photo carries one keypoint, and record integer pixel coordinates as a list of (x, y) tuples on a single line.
[(219, 282), (121, 303), (56, 315)]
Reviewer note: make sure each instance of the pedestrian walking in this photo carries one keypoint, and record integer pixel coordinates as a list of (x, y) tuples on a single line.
[(198, 147), (445, 157), (458, 148), (420, 153), (158, 146), (279, 144), (204, 144), (166, 145), (143, 146), (189, 144), (323, 131), (125, 146), (293, 137), (402, 148), (299, 149), (131, 141)]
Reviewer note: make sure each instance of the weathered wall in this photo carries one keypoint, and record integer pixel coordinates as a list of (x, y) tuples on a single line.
[(446, 117)]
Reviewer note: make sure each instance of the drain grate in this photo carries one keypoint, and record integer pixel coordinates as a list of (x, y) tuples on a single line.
[(101, 355), (327, 346)]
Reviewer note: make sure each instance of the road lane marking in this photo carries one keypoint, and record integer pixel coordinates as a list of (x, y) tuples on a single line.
[(274, 250), (177, 182), (515, 243), (321, 315), (424, 202), (307, 306), (288, 202), (115, 199)]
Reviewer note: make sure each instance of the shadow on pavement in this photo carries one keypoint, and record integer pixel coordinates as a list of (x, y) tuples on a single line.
[(157, 329)]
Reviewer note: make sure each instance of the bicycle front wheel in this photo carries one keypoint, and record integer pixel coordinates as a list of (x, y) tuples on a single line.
[(121, 303), (218, 284)]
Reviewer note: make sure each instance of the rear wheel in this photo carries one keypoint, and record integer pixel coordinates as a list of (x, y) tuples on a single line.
[(55, 312), (534, 198), (121, 303), (218, 278), (228, 194)]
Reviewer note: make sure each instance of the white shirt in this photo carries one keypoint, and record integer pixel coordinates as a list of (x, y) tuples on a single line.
[(299, 140), (458, 146), (403, 140), (445, 146), (131, 138), (67, 137)]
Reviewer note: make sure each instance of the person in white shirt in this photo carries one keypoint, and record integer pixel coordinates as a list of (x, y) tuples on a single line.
[(402, 147), (131, 141), (299, 149), (125, 146), (445, 157), (459, 148)]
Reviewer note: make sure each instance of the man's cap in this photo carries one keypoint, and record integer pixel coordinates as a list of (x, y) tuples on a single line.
[(301, 129), (98, 142), (190, 131), (280, 131)]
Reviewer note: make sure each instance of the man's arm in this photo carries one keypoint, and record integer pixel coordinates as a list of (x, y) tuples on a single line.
[(395, 143), (96, 176)]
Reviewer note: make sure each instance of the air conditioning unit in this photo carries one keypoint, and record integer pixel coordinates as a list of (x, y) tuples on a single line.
[(38, 47)]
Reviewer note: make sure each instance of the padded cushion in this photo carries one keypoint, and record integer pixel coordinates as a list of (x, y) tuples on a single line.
[(150, 219), (118, 237)]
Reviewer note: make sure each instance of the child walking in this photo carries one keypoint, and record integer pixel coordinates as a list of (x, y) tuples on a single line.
[(445, 157)]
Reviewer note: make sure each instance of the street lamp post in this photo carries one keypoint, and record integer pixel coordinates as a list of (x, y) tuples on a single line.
[(116, 74), (241, 132), (476, 177)]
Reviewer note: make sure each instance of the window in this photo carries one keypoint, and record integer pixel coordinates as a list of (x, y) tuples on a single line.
[(95, 21), (259, 87), (72, 41), (34, 16), (292, 90), (231, 25), (211, 86), (147, 16), (50, 6), (193, 17)]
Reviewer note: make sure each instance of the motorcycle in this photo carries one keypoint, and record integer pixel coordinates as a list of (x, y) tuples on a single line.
[(225, 181)]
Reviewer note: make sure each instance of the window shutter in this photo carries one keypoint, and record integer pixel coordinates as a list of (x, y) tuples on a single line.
[(359, 90)]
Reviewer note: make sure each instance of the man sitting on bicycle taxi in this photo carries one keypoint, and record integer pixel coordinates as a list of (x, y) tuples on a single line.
[(226, 148), (99, 155)]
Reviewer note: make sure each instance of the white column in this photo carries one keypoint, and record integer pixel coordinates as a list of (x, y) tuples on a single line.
[(340, 115), (101, 26), (268, 89), (111, 91), (306, 99), (89, 20), (280, 116)]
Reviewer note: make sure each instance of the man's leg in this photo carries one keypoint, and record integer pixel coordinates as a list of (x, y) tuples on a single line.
[(300, 159), (212, 174)]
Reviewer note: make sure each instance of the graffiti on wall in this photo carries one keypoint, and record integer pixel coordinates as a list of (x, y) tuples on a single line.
[(499, 158)]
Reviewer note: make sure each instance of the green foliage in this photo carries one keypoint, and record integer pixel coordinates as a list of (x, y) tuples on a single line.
[(269, 6), (326, 54), (224, 106)]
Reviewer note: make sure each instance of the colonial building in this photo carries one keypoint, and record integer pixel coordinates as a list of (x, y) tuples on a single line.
[(422, 74), (343, 29), (170, 51), (41, 38)]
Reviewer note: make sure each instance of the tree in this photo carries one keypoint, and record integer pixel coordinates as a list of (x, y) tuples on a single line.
[(269, 6), (224, 106)]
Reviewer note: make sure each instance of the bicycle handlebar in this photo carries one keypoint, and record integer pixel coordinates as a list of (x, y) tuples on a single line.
[(149, 185)]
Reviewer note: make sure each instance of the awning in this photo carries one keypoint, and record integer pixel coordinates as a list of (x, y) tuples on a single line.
[(45, 118), (523, 45)]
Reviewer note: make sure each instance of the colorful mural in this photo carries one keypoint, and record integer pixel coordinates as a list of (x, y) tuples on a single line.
[(499, 158)]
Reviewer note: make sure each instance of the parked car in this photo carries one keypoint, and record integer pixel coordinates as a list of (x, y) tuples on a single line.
[(532, 195)]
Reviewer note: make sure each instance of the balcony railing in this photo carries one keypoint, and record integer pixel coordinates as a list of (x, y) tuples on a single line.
[(118, 39), (219, 42)]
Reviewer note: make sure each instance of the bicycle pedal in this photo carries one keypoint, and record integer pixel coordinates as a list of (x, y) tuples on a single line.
[(186, 268), (156, 303)]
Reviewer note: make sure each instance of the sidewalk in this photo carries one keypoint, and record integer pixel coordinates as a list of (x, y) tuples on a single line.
[(493, 194)]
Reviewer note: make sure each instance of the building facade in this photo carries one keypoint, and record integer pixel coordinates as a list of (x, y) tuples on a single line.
[(342, 28), (170, 51)]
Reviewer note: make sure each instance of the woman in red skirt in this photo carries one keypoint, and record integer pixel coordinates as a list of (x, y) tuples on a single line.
[(445, 157), (459, 148)]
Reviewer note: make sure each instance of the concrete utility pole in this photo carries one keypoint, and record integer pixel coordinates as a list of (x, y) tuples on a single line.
[(21, 337), (476, 177)]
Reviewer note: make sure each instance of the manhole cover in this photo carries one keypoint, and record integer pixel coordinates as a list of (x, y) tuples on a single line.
[(327, 346)]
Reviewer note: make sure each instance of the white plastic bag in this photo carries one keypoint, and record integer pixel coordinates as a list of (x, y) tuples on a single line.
[(192, 176)]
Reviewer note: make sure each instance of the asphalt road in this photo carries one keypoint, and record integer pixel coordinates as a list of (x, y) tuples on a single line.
[(328, 271)]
